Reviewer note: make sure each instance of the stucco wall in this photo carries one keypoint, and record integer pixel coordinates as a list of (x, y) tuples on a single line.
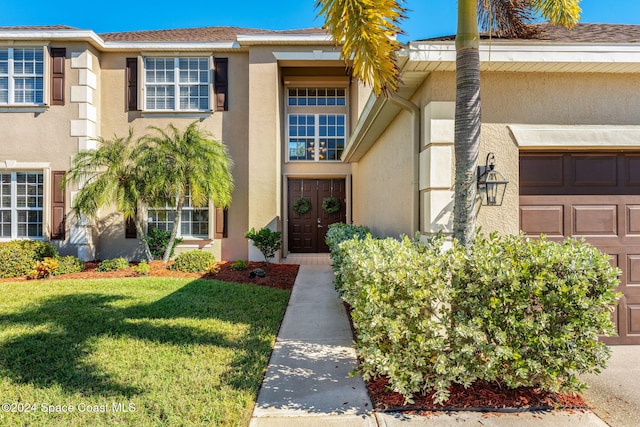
[(383, 181), (548, 99), (228, 126)]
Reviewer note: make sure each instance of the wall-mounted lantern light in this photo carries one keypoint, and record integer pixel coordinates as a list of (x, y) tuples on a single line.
[(491, 183)]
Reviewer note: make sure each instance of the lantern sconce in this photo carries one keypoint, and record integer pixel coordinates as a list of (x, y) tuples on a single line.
[(491, 183)]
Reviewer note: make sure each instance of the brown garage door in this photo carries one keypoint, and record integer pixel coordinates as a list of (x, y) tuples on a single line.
[(595, 195)]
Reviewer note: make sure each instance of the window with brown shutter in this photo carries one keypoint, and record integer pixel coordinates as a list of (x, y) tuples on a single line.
[(58, 55), (221, 223), (221, 86), (130, 231), (132, 84), (57, 206)]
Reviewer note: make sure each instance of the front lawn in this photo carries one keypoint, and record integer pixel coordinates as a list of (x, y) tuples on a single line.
[(138, 351)]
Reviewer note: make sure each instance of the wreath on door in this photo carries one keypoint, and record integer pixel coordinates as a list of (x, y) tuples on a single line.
[(302, 206), (331, 205)]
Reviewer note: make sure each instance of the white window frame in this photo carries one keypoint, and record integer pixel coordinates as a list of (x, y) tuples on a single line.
[(14, 209), (315, 110), (176, 84), (187, 209), (11, 76)]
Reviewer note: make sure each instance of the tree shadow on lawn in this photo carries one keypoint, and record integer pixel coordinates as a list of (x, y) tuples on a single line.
[(59, 355)]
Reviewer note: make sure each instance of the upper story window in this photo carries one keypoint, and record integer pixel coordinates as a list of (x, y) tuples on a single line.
[(21, 76), (21, 204), (316, 125), (177, 84)]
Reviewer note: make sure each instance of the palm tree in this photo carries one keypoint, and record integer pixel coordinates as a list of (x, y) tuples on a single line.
[(110, 175), (186, 164), (367, 30)]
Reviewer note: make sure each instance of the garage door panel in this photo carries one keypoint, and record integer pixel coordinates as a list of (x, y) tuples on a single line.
[(546, 220), (633, 219), (633, 270), (595, 220), (595, 170), (632, 170), (542, 171)]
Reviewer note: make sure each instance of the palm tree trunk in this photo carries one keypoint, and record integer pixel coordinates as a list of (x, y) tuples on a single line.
[(467, 122), (174, 231), (142, 236)]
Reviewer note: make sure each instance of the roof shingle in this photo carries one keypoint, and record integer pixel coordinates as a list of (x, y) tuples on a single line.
[(204, 34), (581, 33)]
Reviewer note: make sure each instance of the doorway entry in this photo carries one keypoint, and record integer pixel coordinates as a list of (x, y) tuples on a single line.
[(307, 230)]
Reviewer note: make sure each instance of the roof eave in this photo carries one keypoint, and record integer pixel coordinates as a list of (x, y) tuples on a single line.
[(286, 39)]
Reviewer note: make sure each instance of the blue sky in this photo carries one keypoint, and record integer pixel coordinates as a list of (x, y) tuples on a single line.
[(426, 18)]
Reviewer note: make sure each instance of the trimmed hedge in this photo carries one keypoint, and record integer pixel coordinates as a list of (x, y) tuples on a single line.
[(19, 257), (68, 264), (113, 264), (194, 262), (510, 310), (336, 234)]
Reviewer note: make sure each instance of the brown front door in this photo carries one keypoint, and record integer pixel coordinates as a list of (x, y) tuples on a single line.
[(307, 231), (595, 196)]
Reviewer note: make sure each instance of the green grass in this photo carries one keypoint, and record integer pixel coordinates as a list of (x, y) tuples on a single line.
[(172, 351)]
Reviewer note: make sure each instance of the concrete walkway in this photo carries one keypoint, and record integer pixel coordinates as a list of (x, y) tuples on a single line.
[(307, 382)]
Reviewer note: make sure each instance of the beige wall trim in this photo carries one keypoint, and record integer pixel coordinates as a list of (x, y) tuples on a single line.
[(314, 55), (576, 137)]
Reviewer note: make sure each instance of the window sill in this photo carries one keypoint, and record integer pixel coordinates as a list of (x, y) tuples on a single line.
[(17, 108), (196, 243), (188, 114)]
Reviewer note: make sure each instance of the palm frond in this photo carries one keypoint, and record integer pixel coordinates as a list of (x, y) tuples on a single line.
[(367, 31)]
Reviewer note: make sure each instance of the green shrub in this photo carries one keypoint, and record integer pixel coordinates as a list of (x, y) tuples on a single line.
[(532, 311), (239, 265), (509, 310), (18, 257), (43, 269), (113, 264), (399, 292), (158, 240), (195, 262), (142, 268), (336, 234), (69, 264), (266, 241)]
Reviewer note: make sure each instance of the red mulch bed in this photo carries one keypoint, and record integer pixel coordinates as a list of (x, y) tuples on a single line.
[(281, 276), (479, 396)]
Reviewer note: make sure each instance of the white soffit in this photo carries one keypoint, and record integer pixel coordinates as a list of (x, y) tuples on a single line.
[(425, 56), (576, 136)]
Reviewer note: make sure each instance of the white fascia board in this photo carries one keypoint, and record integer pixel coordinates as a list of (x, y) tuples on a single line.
[(90, 36), (512, 52), (316, 55), (283, 38), (84, 35), (170, 46)]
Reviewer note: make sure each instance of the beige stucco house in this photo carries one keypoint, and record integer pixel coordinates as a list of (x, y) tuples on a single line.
[(560, 113), (282, 101)]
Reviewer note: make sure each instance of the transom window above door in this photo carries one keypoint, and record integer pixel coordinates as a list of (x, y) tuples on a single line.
[(316, 124)]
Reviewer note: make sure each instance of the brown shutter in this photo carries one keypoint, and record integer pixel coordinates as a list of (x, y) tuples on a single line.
[(221, 223), (57, 206), (130, 231), (132, 84), (58, 55), (221, 86)]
